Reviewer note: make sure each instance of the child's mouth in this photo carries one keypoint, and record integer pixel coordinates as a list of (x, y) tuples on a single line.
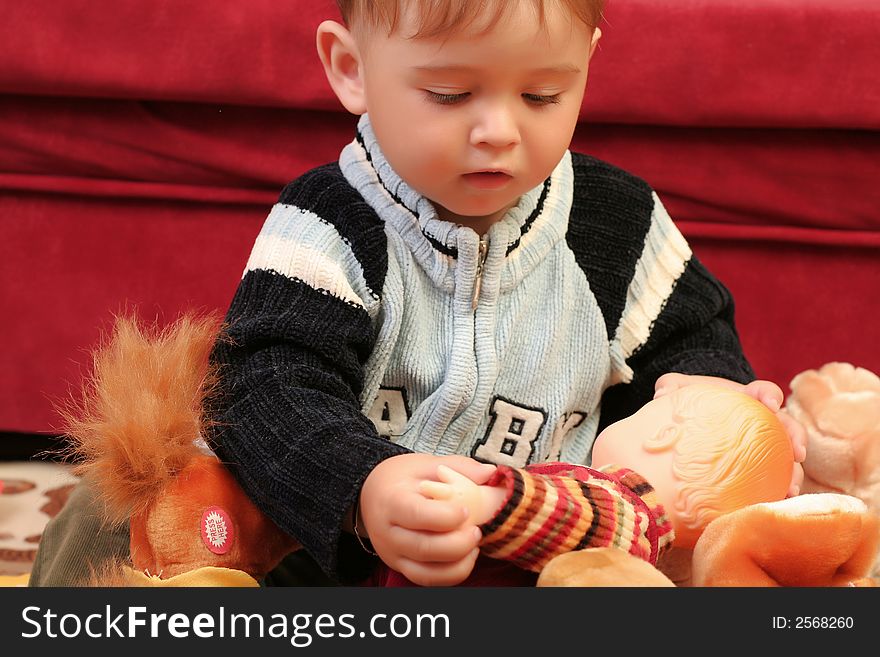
[(488, 179)]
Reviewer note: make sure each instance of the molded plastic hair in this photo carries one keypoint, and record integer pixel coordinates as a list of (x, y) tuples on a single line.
[(706, 449), (730, 451)]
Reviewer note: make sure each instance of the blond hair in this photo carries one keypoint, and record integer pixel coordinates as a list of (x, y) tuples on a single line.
[(443, 17), (730, 451)]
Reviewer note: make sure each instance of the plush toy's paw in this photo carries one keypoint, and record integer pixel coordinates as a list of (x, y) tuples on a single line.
[(819, 539), (864, 581), (839, 406), (600, 567)]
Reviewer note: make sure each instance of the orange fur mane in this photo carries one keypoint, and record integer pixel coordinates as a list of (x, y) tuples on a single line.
[(133, 429)]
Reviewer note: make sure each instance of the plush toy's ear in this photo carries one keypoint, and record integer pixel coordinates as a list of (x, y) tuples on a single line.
[(820, 539), (601, 567)]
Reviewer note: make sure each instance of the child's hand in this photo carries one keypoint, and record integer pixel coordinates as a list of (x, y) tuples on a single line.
[(766, 392), (427, 540)]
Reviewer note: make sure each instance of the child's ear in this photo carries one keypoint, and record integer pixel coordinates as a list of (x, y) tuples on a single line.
[(597, 34), (342, 64)]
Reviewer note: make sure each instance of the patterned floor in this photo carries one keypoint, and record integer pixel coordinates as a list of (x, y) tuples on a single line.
[(31, 493)]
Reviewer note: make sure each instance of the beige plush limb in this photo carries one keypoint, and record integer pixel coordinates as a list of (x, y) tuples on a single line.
[(839, 407), (818, 539), (601, 567)]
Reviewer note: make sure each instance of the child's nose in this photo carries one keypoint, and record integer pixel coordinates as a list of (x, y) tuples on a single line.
[(495, 126)]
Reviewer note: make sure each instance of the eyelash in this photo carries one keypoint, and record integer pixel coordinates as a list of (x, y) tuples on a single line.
[(452, 99), (446, 99), (542, 100)]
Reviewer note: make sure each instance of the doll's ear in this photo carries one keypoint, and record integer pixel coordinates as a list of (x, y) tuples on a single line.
[(342, 62), (664, 438)]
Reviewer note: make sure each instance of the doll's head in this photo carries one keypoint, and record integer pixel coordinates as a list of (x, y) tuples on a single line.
[(707, 451), (473, 104)]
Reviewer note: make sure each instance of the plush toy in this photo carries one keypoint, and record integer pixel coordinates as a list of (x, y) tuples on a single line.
[(812, 540), (136, 433), (827, 536), (818, 539), (839, 405)]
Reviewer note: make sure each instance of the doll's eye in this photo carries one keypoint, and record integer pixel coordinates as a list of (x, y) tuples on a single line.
[(446, 99)]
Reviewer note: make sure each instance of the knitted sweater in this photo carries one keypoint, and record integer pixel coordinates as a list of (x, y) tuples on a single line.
[(555, 508), (364, 326)]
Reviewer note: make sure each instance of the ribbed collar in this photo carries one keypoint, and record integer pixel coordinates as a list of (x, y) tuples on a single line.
[(528, 231)]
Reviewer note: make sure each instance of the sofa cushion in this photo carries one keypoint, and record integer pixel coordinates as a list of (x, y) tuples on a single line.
[(778, 63)]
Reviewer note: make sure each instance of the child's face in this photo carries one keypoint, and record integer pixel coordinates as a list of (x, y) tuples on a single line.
[(473, 120)]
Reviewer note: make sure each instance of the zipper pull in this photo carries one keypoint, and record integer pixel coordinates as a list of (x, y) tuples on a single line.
[(478, 278)]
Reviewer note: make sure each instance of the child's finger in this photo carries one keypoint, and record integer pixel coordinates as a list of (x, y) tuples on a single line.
[(453, 477), (766, 392), (438, 574), (797, 480), (477, 472), (441, 547), (421, 513), (796, 433)]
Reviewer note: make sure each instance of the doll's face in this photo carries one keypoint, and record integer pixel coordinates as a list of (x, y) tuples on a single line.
[(705, 450), (617, 439), (626, 443), (473, 120)]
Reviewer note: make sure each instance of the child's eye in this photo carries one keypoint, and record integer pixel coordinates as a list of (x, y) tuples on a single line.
[(537, 99), (446, 99)]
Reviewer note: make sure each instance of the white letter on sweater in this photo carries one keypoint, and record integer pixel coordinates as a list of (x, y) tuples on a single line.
[(510, 438)]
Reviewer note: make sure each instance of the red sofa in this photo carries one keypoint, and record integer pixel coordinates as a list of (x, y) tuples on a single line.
[(142, 145)]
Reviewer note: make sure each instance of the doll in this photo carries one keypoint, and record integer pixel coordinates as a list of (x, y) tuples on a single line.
[(704, 450), (720, 464)]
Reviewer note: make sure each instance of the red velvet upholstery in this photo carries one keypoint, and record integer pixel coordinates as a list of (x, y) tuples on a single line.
[(141, 147)]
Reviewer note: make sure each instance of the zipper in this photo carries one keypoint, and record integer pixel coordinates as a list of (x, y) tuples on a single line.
[(478, 277)]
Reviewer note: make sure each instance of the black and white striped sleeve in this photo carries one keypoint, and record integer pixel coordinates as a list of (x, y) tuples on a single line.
[(663, 310), (299, 331)]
